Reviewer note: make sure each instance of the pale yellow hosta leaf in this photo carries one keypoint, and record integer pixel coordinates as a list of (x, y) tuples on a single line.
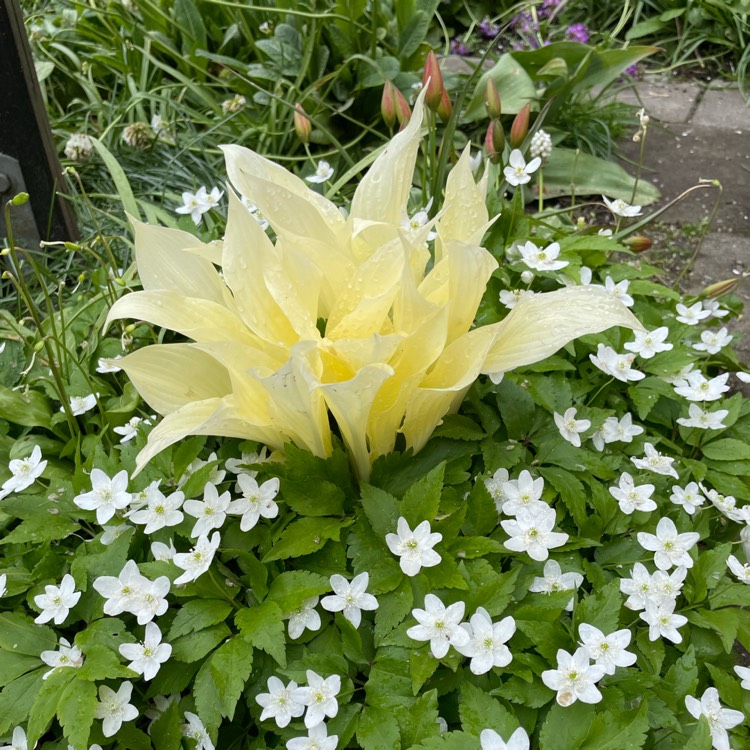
[(350, 403), (169, 376), (296, 405), (445, 385), (247, 255), (383, 193), (540, 324), (215, 416), (469, 269), (362, 307), (357, 353), (410, 362), (465, 216), (283, 198), (165, 263), (198, 319)]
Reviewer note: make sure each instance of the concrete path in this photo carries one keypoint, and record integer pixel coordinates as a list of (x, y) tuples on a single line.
[(702, 133)]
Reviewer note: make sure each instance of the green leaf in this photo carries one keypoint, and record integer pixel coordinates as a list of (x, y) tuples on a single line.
[(124, 191), (724, 622), (21, 635), (101, 663), (422, 499), (533, 694), (370, 554), (727, 449), (709, 570), (389, 683), (45, 703), (13, 665), (166, 731), (602, 608), (291, 588), (381, 509), (27, 408), (41, 529), (681, 678), (194, 646), (550, 391), (188, 18), (316, 497), (570, 489), (75, 712), (219, 682), (649, 27), (378, 729), (566, 728), (497, 592), (305, 536), (421, 721), (624, 730), (516, 407), (263, 626), (392, 609), (481, 514), (479, 711), (514, 84), (700, 739), (413, 34), (422, 665), (198, 614), (17, 698), (568, 170)]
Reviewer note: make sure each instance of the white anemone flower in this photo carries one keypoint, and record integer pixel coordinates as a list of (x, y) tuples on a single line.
[(323, 172), (319, 697), (670, 547), (555, 580), (571, 428), (620, 208), (56, 601), (350, 598), (25, 471), (278, 703), (304, 617), (440, 625), (114, 708), (655, 461), (617, 365), (519, 172), (607, 651), (489, 739), (531, 532), (414, 548), (575, 678), (486, 647), (719, 719)]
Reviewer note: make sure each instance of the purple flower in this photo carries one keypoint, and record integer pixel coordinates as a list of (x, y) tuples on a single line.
[(548, 7), (458, 47), (578, 32), (634, 71), (487, 29)]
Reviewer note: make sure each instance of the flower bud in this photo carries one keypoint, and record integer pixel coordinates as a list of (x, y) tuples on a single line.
[(388, 104), (39, 346), (432, 80), (638, 243), (720, 287), (302, 126), (403, 110), (520, 127), (527, 277), (446, 108), (19, 199), (494, 141), (492, 99)]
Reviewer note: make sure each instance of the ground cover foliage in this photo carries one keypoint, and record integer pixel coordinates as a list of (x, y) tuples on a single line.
[(599, 492)]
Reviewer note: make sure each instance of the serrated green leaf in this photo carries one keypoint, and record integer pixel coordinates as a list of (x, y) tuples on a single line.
[(313, 497), (700, 739), (709, 570), (13, 665), (421, 720), (75, 712), (263, 626), (392, 609), (46, 701), (17, 698), (195, 646), (532, 694), (109, 632), (422, 665), (496, 592), (219, 682), (602, 608), (41, 529), (550, 391), (381, 509), (389, 682), (481, 513), (479, 710), (166, 731), (566, 728), (370, 554), (291, 588), (378, 729), (101, 663), (624, 730), (422, 499), (681, 678), (305, 536), (571, 491), (448, 741), (198, 614), (21, 635)]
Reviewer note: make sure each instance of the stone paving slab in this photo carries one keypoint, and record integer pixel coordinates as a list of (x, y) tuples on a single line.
[(663, 100), (724, 109)]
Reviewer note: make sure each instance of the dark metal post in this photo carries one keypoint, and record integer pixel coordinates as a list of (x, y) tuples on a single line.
[(26, 144)]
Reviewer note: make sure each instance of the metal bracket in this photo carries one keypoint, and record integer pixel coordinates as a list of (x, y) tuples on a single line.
[(25, 231)]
